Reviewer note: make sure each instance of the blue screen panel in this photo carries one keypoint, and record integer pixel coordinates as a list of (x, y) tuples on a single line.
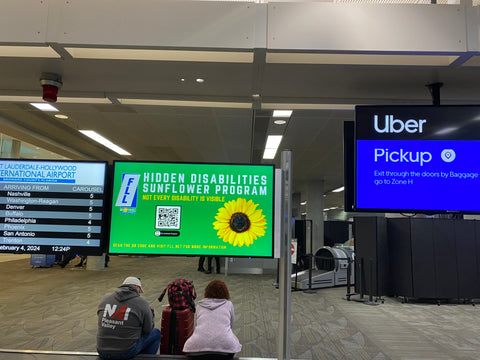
[(438, 175)]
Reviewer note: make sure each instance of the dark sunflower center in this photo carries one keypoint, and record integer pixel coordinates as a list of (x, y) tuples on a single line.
[(239, 222)]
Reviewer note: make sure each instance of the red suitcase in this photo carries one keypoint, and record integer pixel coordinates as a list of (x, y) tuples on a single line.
[(176, 328)]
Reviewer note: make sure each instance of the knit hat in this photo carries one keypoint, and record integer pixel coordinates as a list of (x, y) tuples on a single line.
[(132, 280)]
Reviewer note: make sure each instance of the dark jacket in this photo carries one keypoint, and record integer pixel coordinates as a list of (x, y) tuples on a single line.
[(122, 318)]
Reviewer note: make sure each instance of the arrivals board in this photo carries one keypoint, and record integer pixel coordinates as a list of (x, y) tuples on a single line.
[(52, 207)]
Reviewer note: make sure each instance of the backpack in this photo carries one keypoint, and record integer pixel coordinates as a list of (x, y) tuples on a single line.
[(181, 294)]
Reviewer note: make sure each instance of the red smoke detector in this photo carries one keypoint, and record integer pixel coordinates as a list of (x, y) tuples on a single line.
[(50, 88)]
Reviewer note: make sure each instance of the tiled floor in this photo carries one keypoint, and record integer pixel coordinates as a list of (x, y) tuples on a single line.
[(55, 309)]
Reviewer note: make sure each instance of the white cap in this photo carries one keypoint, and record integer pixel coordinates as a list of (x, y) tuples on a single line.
[(132, 280)]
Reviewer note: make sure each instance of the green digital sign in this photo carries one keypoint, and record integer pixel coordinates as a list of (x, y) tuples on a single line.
[(192, 209)]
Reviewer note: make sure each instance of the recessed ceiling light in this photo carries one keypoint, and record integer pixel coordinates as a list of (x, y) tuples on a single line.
[(282, 113), (44, 106), (280, 122), (339, 189), (200, 80), (303, 203), (182, 80), (61, 116)]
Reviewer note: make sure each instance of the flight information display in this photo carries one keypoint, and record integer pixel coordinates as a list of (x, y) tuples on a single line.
[(52, 207)]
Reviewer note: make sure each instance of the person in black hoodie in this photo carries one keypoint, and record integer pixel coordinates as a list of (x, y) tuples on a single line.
[(126, 323)]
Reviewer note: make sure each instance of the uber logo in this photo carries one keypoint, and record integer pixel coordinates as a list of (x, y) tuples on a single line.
[(391, 125)]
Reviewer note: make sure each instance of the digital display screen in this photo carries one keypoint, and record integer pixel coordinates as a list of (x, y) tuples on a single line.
[(417, 158), (192, 209), (50, 207)]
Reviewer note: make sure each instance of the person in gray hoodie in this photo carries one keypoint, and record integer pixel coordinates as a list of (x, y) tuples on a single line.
[(213, 337), (126, 323)]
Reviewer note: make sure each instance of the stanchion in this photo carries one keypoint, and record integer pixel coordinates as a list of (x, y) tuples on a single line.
[(276, 280), (370, 297), (295, 287), (361, 278), (349, 284), (310, 290)]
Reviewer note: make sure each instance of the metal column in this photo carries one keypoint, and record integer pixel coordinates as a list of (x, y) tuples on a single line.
[(284, 264)]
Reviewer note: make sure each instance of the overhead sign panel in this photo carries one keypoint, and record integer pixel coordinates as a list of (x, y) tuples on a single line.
[(417, 158)]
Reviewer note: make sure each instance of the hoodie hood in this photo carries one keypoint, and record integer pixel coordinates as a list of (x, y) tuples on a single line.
[(125, 292), (211, 304)]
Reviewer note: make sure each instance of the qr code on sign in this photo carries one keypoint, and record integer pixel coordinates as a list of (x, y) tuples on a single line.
[(168, 217)]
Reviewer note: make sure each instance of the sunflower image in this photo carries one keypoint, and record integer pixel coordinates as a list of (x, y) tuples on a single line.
[(240, 222)]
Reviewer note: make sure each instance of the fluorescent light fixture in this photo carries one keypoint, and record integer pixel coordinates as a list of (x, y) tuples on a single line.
[(105, 142), (187, 103), (161, 55), (340, 189), (61, 116), (282, 113), (361, 59), (273, 142), (44, 106), (28, 51), (280, 122), (303, 203), (269, 154)]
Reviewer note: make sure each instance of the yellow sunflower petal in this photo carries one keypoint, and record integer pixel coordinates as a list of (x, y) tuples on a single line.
[(241, 239), (255, 217), (230, 207), (251, 206), (223, 214)]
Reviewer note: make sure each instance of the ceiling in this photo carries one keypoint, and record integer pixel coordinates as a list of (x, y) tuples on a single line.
[(322, 97)]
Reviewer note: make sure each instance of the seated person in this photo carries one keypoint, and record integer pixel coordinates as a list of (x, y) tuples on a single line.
[(213, 337), (126, 323)]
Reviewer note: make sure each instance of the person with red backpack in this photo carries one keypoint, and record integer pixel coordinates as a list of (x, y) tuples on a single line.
[(177, 318)]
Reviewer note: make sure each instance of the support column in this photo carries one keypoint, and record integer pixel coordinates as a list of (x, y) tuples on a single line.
[(15, 153), (284, 263), (96, 262), (315, 206)]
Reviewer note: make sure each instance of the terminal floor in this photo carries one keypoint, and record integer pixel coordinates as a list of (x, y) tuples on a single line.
[(54, 309)]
